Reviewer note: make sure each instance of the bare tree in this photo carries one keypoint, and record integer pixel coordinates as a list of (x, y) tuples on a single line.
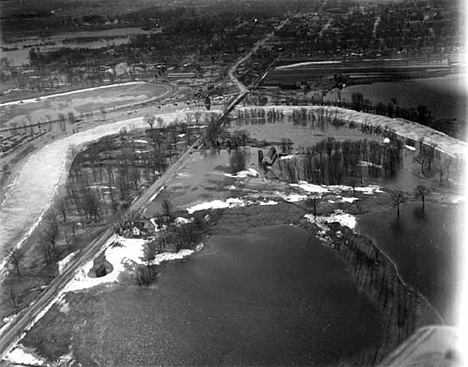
[(312, 202), (51, 228), (15, 256), (421, 191), (48, 250), (352, 182), (62, 206), (71, 117), (62, 122), (166, 207), (150, 120), (13, 296), (160, 122), (103, 113), (197, 115), (421, 159), (397, 199)]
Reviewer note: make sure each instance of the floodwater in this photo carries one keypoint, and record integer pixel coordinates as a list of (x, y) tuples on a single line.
[(444, 96), (425, 246), (202, 179), (301, 135), (274, 297), (305, 136), (115, 36)]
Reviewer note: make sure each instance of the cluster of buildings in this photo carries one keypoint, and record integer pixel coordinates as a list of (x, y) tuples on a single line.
[(428, 30)]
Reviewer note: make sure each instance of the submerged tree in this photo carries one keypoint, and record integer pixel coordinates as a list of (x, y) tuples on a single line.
[(398, 198), (421, 191)]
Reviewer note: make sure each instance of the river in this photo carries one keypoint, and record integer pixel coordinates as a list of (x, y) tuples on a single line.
[(273, 297)]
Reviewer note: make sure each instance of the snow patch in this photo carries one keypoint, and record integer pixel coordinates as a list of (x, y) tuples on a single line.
[(348, 200), (121, 253), (292, 198), (19, 355), (62, 264), (269, 202), (311, 187), (368, 164), (229, 203), (334, 189), (250, 172), (182, 220), (339, 216), (409, 147), (184, 174), (217, 204)]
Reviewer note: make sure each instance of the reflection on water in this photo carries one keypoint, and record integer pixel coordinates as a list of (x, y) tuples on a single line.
[(307, 135), (424, 250), (444, 96)]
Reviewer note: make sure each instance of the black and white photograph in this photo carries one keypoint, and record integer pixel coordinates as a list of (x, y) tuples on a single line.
[(233, 183)]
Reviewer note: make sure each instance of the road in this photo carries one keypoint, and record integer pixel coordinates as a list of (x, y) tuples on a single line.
[(14, 332), (232, 70)]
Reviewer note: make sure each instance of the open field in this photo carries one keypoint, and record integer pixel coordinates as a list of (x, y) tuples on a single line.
[(79, 103)]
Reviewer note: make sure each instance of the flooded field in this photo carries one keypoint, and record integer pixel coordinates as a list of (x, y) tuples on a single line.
[(266, 294), (274, 297), (425, 246), (17, 51), (302, 134), (444, 96)]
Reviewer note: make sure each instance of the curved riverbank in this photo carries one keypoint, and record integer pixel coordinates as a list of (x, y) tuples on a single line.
[(404, 309), (403, 128), (36, 183)]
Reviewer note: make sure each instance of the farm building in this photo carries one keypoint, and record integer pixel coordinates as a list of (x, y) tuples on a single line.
[(136, 229), (270, 157)]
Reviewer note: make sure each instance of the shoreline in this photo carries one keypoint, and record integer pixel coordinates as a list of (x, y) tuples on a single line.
[(405, 129), (241, 217), (396, 299), (58, 150)]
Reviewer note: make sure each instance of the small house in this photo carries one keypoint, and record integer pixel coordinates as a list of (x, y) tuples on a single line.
[(136, 231), (270, 157)]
